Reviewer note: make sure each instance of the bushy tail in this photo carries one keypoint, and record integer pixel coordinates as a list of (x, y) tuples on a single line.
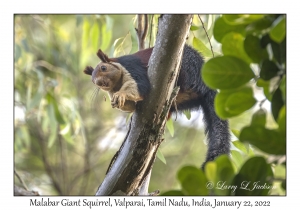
[(217, 130)]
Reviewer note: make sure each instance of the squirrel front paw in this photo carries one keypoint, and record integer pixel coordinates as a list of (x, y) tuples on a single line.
[(118, 100)]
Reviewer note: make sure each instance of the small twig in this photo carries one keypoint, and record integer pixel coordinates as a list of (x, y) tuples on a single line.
[(145, 31), (151, 23), (207, 36), (142, 30), (21, 180)]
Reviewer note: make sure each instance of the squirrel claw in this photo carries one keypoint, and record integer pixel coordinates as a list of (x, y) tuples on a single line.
[(118, 99)]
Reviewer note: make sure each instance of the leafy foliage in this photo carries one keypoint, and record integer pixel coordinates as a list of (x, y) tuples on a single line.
[(253, 61)]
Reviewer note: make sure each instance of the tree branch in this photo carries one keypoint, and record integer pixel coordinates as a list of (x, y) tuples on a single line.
[(136, 158), (142, 30)]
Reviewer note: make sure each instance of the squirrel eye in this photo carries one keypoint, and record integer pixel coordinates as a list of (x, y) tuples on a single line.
[(103, 68)]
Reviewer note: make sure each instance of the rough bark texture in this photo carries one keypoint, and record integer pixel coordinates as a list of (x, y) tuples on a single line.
[(135, 159)]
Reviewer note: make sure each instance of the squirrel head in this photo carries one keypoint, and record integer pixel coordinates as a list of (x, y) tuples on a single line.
[(107, 73)]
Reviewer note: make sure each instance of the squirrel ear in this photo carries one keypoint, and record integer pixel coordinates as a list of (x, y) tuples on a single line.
[(103, 57), (88, 70)]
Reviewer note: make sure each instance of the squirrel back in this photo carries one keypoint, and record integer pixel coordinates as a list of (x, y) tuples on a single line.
[(126, 80)]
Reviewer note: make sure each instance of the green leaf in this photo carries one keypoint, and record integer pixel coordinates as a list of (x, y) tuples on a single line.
[(192, 180), (239, 145), (52, 124), (240, 101), (160, 156), (278, 30), (58, 116), (221, 28), (187, 113), (229, 103), (268, 70), (106, 36), (241, 19), (279, 51), (194, 28), (170, 127), (255, 172), (211, 171), (237, 158), (200, 46), (53, 134), (270, 141), (236, 132), (35, 101), (283, 184), (283, 88), (254, 50), (226, 72), (233, 45), (85, 34), (95, 34), (282, 120), (265, 40), (259, 118), (260, 26), (173, 193), (224, 174), (266, 86), (277, 103)]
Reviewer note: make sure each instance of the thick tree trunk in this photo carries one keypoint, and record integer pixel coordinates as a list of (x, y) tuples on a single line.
[(133, 162)]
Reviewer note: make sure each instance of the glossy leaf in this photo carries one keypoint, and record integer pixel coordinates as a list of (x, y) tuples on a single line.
[(240, 101), (229, 103), (236, 132), (241, 19), (259, 118), (279, 51), (268, 70), (239, 145), (192, 180), (200, 46), (254, 50), (226, 72), (260, 26), (222, 28), (253, 178), (211, 171), (282, 120), (283, 88), (267, 140), (277, 103), (233, 45), (225, 174), (237, 158), (266, 87), (278, 31)]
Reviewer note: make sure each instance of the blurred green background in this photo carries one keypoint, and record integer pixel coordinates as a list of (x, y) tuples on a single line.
[(66, 132)]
